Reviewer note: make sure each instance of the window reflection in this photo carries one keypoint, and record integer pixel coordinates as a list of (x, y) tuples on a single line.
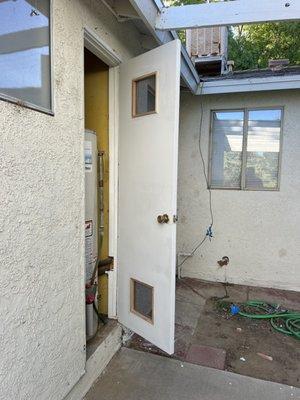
[(25, 51), (237, 165), (227, 146), (144, 92), (263, 146)]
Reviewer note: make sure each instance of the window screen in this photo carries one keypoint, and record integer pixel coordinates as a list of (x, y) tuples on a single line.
[(245, 149), (263, 147), (142, 299), (144, 96), (227, 147), (25, 51)]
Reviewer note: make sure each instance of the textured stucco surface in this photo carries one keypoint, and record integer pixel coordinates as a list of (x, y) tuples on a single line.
[(259, 231), (97, 362), (42, 333)]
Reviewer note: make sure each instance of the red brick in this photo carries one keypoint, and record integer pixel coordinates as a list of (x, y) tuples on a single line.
[(207, 356)]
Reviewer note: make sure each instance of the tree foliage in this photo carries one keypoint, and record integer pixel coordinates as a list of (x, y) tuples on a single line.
[(252, 46)]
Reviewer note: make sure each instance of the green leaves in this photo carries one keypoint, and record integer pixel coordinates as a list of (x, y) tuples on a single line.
[(254, 45)]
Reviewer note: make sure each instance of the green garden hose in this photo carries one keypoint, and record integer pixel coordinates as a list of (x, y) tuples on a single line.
[(284, 321)]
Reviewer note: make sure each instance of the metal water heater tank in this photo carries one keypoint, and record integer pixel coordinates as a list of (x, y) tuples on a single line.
[(91, 216), (91, 223)]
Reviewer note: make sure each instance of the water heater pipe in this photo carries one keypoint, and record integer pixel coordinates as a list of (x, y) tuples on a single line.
[(101, 199)]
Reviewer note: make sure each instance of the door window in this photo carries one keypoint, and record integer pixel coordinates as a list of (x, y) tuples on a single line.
[(144, 95), (142, 300)]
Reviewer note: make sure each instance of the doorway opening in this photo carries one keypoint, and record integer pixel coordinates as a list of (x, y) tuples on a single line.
[(96, 153)]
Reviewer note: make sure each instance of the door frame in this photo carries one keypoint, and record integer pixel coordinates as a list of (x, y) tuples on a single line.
[(105, 53)]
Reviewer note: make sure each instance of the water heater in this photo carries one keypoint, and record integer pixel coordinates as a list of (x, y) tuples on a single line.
[(91, 215), (91, 228)]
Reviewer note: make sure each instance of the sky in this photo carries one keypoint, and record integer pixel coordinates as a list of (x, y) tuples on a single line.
[(20, 69), (15, 17)]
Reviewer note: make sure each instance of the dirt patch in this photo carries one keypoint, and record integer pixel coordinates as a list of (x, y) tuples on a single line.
[(241, 338)]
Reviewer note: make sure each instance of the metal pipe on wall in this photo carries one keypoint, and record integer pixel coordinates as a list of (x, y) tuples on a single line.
[(101, 199)]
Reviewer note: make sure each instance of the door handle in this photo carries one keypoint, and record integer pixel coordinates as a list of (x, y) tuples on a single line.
[(163, 219)]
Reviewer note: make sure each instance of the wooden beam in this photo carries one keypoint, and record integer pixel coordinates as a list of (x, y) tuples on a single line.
[(226, 13)]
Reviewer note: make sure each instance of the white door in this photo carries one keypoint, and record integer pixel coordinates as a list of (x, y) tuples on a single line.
[(148, 158)]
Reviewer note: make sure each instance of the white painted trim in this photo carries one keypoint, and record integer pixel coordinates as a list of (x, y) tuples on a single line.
[(97, 46), (250, 85), (113, 186), (227, 13)]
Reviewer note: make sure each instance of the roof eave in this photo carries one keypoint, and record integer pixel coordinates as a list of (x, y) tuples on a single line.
[(249, 85)]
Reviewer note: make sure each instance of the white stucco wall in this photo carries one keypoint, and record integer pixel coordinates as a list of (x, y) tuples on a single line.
[(42, 333), (258, 230)]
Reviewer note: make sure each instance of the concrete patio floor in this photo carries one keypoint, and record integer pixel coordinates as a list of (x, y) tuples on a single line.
[(136, 375)]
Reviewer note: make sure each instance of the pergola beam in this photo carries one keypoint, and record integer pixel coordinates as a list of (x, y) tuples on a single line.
[(226, 13), (24, 40)]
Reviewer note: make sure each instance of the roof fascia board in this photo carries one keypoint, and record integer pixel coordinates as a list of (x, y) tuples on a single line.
[(227, 13), (249, 85), (148, 11)]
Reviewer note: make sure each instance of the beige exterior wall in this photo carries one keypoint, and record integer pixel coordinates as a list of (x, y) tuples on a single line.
[(258, 230), (42, 330)]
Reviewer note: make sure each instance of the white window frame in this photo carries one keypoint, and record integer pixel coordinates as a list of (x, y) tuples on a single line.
[(28, 104), (246, 111)]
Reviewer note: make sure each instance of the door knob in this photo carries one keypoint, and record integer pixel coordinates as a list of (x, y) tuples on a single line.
[(163, 219)]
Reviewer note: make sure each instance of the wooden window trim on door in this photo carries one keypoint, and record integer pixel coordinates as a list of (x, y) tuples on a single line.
[(132, 298), (134, 114)]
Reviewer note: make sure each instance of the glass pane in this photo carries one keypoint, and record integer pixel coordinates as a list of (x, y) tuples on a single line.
[(227, 146), (25, 51), (145, 95), (263, 146), (142, 299)]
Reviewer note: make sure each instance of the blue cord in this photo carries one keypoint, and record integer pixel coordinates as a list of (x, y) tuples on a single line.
[(209, 232)]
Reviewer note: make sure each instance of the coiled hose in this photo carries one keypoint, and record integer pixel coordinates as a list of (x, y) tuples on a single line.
[(284, 321)]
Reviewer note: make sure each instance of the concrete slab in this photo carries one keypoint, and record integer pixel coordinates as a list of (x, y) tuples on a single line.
[(207, 356), (187, 314), (287, 299), (103, 332), (135, 375), (183, 337), (187, 293)]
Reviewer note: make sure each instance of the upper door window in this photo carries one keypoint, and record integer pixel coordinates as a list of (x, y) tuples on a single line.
[(144, 95), (245, 149), (25, 74)]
